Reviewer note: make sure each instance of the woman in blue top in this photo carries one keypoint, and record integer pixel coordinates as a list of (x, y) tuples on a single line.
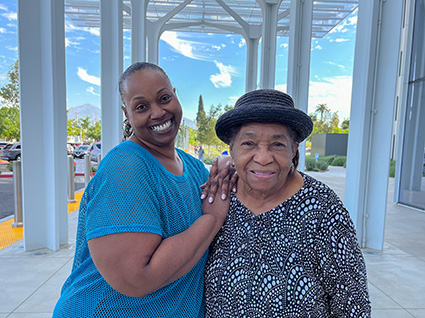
[(143, 232)]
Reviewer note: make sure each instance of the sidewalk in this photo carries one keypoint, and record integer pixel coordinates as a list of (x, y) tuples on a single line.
[(31, 281)]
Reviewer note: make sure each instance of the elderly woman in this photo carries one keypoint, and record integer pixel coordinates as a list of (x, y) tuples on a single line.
[(288, 247)]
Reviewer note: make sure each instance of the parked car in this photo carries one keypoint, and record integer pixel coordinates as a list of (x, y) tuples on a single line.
[(95, 151), (11, 152), (70, 149), (4, 144), (81, 151)]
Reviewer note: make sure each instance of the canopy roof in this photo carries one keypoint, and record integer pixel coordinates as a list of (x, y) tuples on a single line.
[(215, 16)]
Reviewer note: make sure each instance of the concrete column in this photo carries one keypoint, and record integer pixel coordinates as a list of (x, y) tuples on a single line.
[(251, 64), (299, 58), (268, 47), (373, 99), (43, 123), (153, 42), (111, 46), (138, 30)]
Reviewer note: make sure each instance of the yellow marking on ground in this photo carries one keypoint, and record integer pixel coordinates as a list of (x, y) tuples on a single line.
[(74, 206), (10, 235)]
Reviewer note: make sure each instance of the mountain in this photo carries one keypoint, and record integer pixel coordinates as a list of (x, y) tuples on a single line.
[(83, 111)]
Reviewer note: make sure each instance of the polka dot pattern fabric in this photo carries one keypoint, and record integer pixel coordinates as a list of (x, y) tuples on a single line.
[(300, 259), (133, 192)]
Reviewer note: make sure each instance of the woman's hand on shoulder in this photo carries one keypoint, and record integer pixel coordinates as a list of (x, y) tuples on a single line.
[(222, 180)]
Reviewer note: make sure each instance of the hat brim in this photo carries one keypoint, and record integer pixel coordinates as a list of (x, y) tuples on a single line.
[(295, 118)]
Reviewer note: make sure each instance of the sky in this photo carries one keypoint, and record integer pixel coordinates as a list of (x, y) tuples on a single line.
[(211, 65)]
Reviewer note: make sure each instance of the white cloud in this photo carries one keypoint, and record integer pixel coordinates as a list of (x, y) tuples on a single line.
[(69, 42), (242, 42), (341, 40), (232, 100), (335, 92), (83, 75), (318, 47), (90, 89), (182, 44), (12, 48), (3, 30), (3, 7), (10, 16), (69, 27), (284, 45), (224, 78)]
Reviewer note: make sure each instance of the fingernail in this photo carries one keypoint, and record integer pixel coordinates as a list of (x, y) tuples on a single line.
[(223, 196), (228, 163), (234, 189), (210, 199), (236, 172), (202, 196), (215, 159)]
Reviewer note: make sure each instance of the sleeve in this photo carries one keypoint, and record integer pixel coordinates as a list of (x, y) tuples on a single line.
[(342, 269), (123, 197)]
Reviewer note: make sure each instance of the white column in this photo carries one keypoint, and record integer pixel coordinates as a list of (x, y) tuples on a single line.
[(268, 46), (43, 123), (373, 99), (153, 41), (251, 63), (138, 30), (299, 58), (111, 46)]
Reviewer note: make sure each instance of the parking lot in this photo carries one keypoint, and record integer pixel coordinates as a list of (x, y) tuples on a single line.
[(7, 195)]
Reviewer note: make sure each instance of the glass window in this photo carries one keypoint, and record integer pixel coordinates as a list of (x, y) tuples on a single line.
[(413, 162)]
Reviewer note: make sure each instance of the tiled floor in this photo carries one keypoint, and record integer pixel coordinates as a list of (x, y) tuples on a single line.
[(31, 281)]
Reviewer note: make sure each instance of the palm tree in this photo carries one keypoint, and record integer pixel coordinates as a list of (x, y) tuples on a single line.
[(322, 109)]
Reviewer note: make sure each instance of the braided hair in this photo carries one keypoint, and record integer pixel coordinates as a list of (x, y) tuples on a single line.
[(138, 66)]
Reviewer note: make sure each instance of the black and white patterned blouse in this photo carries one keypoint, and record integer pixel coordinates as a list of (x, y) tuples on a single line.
[(300, 259)]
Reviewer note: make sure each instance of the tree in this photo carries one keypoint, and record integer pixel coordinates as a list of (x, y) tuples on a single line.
[(345, 124), (200, 115), (9, 123), (85, 124), (72, 128), (94, 131), (10, 92), (322, 109)]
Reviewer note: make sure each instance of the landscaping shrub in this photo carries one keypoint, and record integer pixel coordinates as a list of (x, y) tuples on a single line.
[(310, 164), (322, 164), (339, 161), (392, 169), (10, 166)]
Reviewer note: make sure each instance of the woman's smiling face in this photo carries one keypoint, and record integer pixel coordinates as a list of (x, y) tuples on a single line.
[(152, 108), (263, 154)]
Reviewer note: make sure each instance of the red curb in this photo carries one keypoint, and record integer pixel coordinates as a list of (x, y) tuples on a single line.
[(6, 175)]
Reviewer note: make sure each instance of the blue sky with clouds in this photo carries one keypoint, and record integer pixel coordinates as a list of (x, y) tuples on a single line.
[(209, 64)]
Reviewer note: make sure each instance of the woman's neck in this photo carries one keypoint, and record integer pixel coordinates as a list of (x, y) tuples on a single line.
[(259, 202)]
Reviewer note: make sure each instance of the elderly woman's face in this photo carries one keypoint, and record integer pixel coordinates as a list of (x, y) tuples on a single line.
[(263, 154)]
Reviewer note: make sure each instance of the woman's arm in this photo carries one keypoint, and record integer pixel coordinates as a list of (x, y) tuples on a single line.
[(137, 264)]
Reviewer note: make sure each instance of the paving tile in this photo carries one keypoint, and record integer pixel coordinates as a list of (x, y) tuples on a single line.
[(390, 313), (417, 313), (402, 278), (44, 299), (380, 300), (21, 277), (30, 315)]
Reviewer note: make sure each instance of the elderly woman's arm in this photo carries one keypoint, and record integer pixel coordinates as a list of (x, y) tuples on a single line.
[(341, 263)]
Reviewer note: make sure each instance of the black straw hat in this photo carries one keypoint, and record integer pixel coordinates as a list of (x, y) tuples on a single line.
[(264, 106)]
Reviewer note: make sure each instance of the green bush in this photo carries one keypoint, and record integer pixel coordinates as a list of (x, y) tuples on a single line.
[(328, 159), (310, 164), (10, 166), (339, 161), (392, 169), (322, 164)]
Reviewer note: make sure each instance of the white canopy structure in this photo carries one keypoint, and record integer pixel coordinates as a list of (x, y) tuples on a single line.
[(381, 70)]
